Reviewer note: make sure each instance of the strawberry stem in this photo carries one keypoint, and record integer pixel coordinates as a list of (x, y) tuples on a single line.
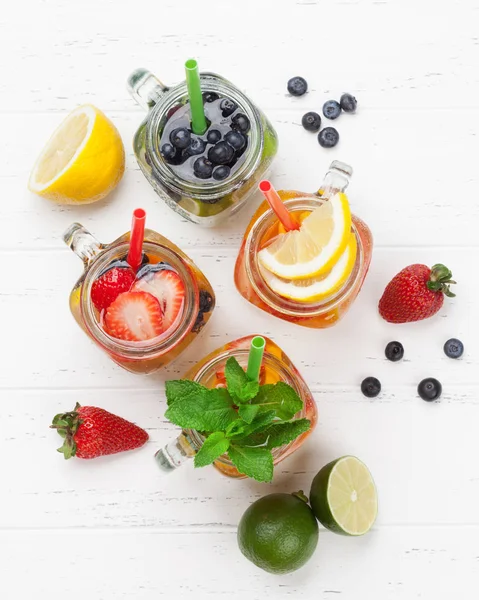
[(67, 425), (441, 280)]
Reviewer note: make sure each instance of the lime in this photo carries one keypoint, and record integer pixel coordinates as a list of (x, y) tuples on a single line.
[(278, 533), (343, 497)]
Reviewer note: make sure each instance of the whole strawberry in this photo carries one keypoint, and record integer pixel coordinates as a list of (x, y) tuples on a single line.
[(89, 432), (416, 293)]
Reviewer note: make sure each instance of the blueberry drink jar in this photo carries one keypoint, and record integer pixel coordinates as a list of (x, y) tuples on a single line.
[(203, 178)]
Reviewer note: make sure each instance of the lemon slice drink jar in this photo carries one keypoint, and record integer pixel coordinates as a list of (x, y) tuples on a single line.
[(173, 149), (284, 282), (276, 366), (164, 302)]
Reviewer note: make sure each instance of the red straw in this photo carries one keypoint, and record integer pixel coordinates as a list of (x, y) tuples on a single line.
[(135, 254), (277, 205)]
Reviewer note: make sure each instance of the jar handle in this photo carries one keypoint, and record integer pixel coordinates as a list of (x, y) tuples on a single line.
[(145, 88), (82, 242), (175, 454), (336, 179)]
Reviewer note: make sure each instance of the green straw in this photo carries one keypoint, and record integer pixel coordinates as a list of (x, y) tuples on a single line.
[(198, 120), (255, 358)]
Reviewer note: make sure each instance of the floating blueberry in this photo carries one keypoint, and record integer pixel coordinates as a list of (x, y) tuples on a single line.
[(311, 121), (331, 109), (197, 146), (203, 168), (221, 172), (240, 122), (221, 153), (213, 136), (454, 348), (348, 103), (168, 152), (328, 137), (210, 96), (297, 86), (148, 269), (180, 137), (235, 139), (429, 389), (227, 107), (371, 387), (206, 301), (394, 351)]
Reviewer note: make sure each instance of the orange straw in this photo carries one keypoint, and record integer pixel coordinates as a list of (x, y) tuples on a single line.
[(277, 205), (135, 254)]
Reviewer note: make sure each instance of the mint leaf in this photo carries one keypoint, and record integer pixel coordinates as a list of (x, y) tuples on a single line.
[(277, 434), (213, 447), (219, 411), (179, 388), (237, 429), (279, 397), (253, 462), (239, 386), (248, 412), (262, 420)]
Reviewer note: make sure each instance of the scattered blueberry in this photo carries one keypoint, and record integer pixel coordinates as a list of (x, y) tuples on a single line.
[(206, 301), (331, 109), (394, 351), (203, 168), (197, 146), (180, 137), (454, 348), (213, 136), (221, 153), (235, 139), (210, 96), (348, 103), (148, 269), (311, 121), (297, 86), (168, 152), (328, 137), (371, 387), (227, 107), (221, 172), (240, 122), (429, 389)]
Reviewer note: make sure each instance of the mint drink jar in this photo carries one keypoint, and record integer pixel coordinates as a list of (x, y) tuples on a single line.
[(203, 201)]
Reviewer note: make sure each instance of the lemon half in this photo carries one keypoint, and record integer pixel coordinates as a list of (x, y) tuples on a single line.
[(315, 248), (82, 162)]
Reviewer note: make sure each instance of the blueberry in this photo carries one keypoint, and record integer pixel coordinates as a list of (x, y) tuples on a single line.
[(235, 139), (348, 103), (221, 153), (210, 96), (371, 387), (394, 351), (213, 136), (221, 172), (148, 269), (180, 137), (227, 107), (311, 121), (240, 122), (203, 168), (168, 152), (199, 323), (328, 137), (429, 389), (331, 109), (197, 146), (454, 348), (297, 86), (206, 301)]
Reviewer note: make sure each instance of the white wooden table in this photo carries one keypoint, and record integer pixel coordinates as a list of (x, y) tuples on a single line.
[(114, 529)]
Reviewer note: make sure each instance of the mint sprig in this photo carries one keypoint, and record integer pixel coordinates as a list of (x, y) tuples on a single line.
[(246, 420)]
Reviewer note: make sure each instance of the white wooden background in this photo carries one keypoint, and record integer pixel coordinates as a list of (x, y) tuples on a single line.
[(114, 529)]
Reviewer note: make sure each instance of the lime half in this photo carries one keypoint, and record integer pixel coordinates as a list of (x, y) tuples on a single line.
[(344, 498)]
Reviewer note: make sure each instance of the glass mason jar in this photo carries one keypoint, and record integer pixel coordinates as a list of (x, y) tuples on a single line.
[(251, 284), (277, 366), (150, 355), (200, 201)]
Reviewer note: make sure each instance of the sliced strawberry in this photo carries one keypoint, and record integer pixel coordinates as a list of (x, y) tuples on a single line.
[(134, 317), (110, 285), (169, 289)]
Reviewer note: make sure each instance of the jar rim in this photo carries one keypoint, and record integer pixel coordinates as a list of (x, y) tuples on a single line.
[(205, 190), (149, 348)]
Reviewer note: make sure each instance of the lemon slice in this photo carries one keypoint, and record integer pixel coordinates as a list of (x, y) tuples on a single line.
[(316, 247), (315, 288), (82, 162)]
